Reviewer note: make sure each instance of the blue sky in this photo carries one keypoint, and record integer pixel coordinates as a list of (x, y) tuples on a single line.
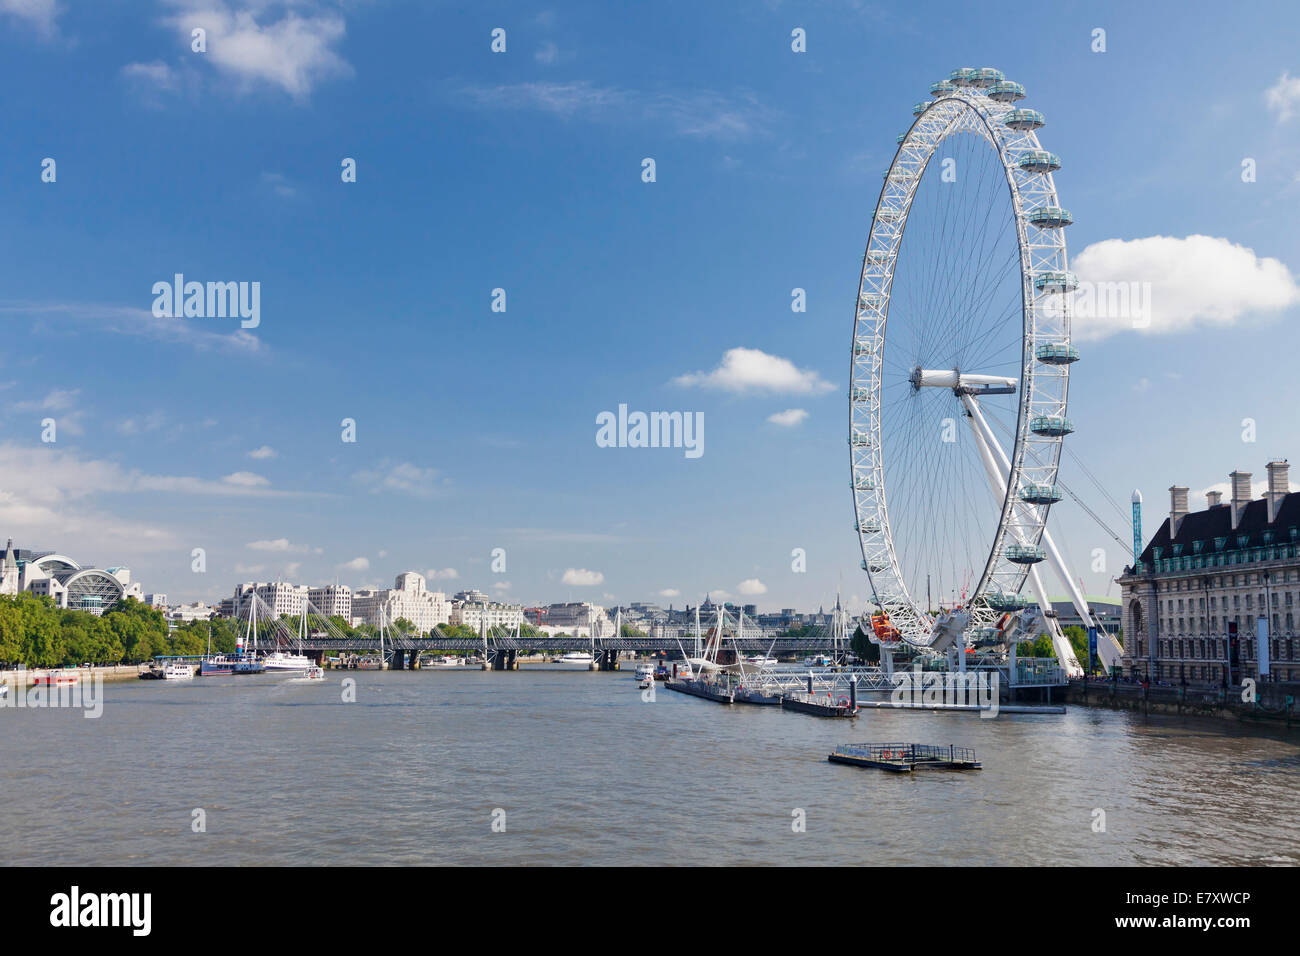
[(522, 171)]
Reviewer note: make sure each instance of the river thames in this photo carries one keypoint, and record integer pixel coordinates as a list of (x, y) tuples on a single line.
[(586, 772)]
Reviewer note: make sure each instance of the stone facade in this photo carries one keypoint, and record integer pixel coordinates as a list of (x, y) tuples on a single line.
[(1209, 583)]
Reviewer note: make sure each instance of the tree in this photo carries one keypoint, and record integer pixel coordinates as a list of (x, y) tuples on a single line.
[(864, 649), (141, 629)]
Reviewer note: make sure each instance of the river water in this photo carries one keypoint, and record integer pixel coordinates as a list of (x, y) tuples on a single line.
[(581, 770)]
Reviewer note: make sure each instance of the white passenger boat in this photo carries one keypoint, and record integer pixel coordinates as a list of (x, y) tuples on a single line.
[(176, 671), (445, 663), (280, 661), (576, 657)]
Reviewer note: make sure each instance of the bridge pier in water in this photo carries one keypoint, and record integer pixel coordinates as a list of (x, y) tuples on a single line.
[(506, 660), (607, 661)]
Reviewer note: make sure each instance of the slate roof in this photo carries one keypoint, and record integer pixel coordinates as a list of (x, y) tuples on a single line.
[(1216, 522)]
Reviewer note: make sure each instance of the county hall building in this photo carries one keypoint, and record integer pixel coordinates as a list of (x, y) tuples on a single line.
[(1215, 588)]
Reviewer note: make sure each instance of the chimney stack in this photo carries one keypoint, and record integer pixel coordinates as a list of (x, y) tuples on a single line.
[(1177, 508), (1240, 495), (1278, 486), (1213, 499)]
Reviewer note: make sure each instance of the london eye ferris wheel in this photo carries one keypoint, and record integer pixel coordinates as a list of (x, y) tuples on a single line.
[(960, 367)]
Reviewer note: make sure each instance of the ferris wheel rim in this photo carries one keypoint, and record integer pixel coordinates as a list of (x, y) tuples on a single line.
[(1041, 252)]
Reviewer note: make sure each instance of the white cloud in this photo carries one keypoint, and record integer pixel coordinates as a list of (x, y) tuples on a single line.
[(47, 496), (282, 545), (581, 577), (60, 405), (702, 113), (752, 370), (1283, 97), (149, 423), (249, 568), (669, 592), (245, 479), (55, 400), (293, 53), (156, 73), (154, 81), (141, 322), (357, 564), (788, 418), (400, 476), (547, 53), (445, 574), (1162, 284), (280, 185), (266, 451), (41, 15), (501, 586), (1258, 487), (751, 586)]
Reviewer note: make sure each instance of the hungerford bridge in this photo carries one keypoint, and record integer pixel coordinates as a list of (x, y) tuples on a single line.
[(500, 648)]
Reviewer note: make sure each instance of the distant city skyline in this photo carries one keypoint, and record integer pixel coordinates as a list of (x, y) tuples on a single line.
[(436, 342)]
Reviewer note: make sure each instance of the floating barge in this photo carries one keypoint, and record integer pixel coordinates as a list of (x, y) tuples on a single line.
[(699, 688), (820, 706), (747, 696), (905, 758)]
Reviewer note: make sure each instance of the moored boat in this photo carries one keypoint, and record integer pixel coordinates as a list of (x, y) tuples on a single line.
[(216, 666), (280, 661), (57, 678)]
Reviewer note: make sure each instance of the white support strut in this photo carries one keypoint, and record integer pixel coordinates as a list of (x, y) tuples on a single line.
[(999, 468)]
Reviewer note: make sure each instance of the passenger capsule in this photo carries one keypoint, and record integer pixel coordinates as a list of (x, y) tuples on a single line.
[(1050, 217), (1039, 161), (1006, 602), (1040, 494), (860, 394), (871, 300), (866, 527), (1051, 426), (1025, 554), (941, 88), (987, 77), (919, 108), (1054, 354), (1025, 119), (863, 348), (963, 77), (1006, 92), (860, 439), (1057, 282), (864, 483)]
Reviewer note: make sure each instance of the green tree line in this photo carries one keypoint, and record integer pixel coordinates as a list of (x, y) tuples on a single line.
[(36, 633)]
